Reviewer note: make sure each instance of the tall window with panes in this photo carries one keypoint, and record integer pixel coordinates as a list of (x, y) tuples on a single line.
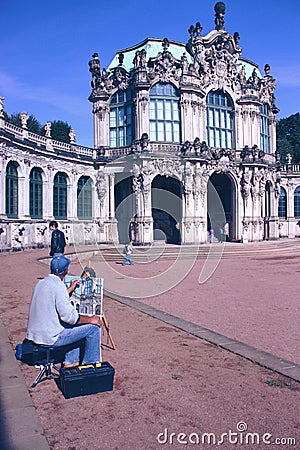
[(11, 190), (164, 113), (265, 128), (282, 204), (297, 203), (219, 120), (84, 198), (36, 193), (121, 122), (60, 196)]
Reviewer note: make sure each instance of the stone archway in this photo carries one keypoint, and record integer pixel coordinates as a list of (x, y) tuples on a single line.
[(221, 214), (166, 209), (124, 207)]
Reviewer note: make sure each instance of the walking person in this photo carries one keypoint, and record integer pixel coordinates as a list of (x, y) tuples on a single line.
[(211, 235), (221, 231), (58, 241), (127, 251), (226, 231)]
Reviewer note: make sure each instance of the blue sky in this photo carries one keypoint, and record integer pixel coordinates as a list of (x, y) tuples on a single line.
[(45, 47)]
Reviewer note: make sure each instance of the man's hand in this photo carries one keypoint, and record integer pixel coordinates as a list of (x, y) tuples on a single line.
[(94, 320), (72, 286)]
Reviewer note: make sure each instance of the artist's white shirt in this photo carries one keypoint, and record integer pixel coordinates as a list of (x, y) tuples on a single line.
[(50, 307)]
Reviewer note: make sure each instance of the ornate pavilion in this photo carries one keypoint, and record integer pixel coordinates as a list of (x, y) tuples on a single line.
[(184, 141)]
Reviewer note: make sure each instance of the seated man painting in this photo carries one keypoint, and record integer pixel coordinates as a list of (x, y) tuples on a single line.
[(54, 321)]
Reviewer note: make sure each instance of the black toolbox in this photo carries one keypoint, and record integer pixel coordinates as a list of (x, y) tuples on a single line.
[(86, 380)]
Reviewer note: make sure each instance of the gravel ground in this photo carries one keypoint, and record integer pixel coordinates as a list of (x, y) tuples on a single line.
[(168, 381)]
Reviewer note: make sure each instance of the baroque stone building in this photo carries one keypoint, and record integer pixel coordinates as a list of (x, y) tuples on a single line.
[(184, 141)]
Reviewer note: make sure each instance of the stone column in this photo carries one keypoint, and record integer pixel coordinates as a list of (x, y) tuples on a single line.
[(2, 179), (142, 113), (101, 124), (23, 192), (188, 208), (48, 194), (112, 226), (247, 203), (72, 195)]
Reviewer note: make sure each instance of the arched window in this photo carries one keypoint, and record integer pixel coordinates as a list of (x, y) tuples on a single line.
[(84, 198), (36, 193), (164, 113), (297, 203), (121, 119), (265, 128), (60, 196), (11, 190), (219, 120), (282, 210)]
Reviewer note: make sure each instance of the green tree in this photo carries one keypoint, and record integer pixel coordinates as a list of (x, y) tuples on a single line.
[(288, 138), (33, 124), (60, 131)]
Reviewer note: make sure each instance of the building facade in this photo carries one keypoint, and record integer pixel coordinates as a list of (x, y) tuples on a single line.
[(184, 142)]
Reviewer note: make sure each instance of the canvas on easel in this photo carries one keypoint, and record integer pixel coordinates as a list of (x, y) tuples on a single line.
[(88, 299)]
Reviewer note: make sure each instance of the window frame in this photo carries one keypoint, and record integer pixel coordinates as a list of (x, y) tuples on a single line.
[(12, 190), (164, 113), (297, 203), (121, 119), (282, 204), (220, 131), (60, 196), (84, 198), (36, 193), (265, 134)]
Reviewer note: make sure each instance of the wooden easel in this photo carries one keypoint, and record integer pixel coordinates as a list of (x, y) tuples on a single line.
[(109, 336), (104, 320)]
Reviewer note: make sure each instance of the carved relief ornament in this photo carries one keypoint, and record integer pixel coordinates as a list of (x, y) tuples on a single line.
[(164, 67), (101, 186)]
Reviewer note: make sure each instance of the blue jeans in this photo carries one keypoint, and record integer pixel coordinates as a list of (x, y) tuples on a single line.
[(91, 334), (127, 258)]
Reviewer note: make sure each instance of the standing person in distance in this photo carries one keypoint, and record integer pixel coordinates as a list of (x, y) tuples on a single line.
[(58, 241), (127, 251)]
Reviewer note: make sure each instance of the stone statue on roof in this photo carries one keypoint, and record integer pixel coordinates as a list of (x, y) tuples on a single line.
[(220, 13)]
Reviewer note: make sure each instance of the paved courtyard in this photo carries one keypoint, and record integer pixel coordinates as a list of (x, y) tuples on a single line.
[(169, 380)]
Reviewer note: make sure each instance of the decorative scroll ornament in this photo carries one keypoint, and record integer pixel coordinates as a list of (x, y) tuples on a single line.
[(199, 186), (141, 180), (256, 178), (246, 184), (216, 56), (262, 183), (101, 186), (165, 167), (188, 180), (164, 67), (120, 75)]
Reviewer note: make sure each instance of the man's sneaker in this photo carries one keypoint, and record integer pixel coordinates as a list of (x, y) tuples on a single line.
[(75, 364)]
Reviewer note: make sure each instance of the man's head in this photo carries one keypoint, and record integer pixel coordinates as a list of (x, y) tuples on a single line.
[(59, 265), (53, 225)]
